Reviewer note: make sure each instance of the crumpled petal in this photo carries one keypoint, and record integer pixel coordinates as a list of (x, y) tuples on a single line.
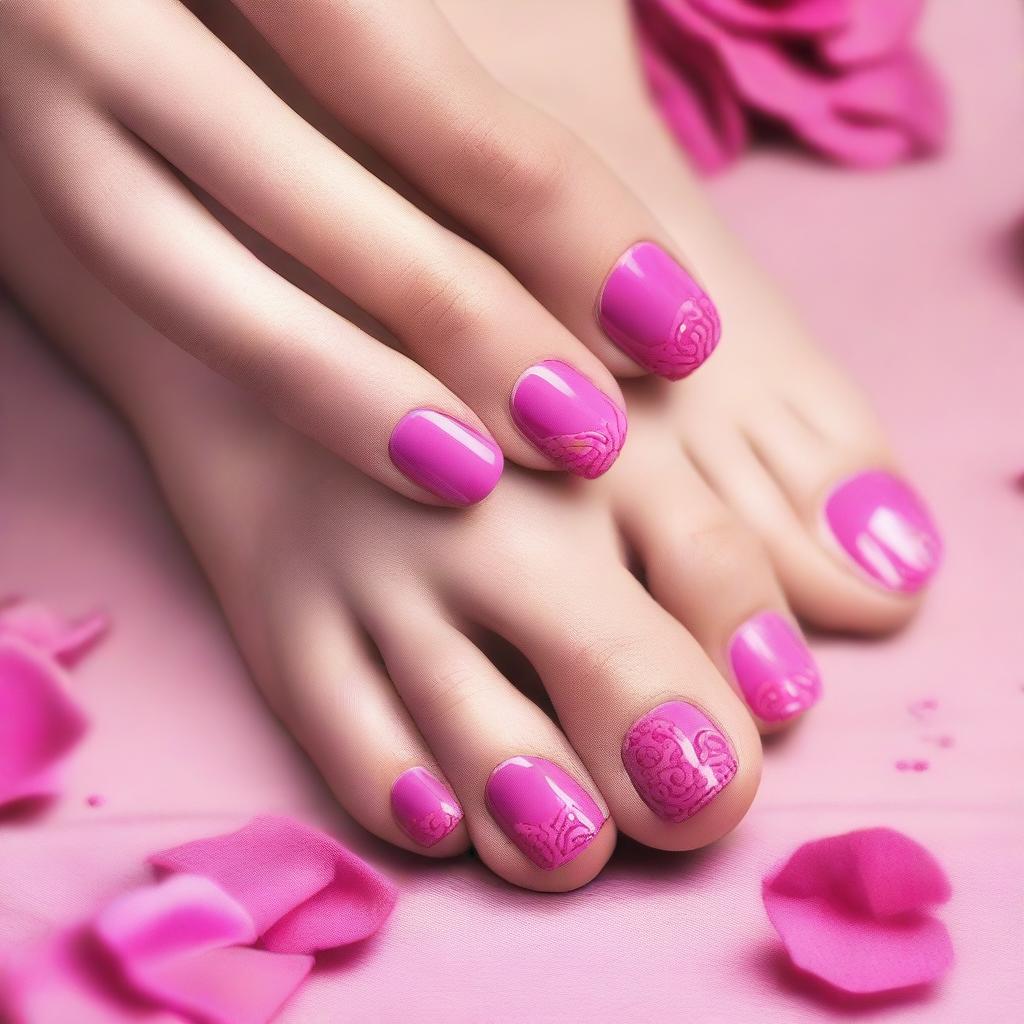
[(65, 640), (852, 911), (303, 890), (182, 944), (39, 724), (858, 93), (62, 982), (695, 98)]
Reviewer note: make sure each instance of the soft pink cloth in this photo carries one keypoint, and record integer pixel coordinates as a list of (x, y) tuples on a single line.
[(912, 283), (304, 891), (852, 911), (840, 76)]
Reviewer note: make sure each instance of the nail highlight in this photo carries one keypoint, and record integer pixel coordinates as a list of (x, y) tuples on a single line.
[(575, 424), (445, 456), (424, 807), (678, 760), (657, 313), (543, 810), (886, 529), (774, 668)]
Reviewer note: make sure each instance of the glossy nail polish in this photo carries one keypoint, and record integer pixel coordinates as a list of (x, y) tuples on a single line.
[(575, 424), (543, 810), (445, 456), (657, 313), (677, 759), (424, 807), (886, 529), (774, 668)]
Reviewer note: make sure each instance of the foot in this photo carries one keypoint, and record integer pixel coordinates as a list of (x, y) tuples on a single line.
[(374, 626)]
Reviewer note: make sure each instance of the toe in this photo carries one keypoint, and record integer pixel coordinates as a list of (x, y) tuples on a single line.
[(852, 544), (712, 572), (534, 814), (671, 748), (333, 695)]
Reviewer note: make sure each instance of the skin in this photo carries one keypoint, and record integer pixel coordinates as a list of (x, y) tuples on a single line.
[(107, 106), (380, 630)]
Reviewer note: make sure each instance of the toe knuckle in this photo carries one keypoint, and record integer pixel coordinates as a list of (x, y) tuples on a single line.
[(437, 302), (723, 550), (514, 170), (449, 688)]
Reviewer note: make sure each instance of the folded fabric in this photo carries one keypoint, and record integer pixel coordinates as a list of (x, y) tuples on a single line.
[(852, 910), (839, 76)]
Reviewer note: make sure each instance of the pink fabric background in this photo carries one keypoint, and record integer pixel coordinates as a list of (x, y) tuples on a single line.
[(916, 278)]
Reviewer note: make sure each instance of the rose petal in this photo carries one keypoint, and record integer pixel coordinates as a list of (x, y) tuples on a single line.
[(39, 724), (63, 981), (181, 942), (851, 910), (66, 640), (693, 93), (303, 890), (796, 18), (875, 29), (868, 115)]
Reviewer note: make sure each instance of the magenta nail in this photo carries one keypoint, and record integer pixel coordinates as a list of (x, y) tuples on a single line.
[(886, 529), (677, 759), (445, 456), (543, 810), (575, 424), (424, 806), (654, 310), (774, 668)]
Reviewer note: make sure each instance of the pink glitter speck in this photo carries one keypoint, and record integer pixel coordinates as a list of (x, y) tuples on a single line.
[(95, 800)]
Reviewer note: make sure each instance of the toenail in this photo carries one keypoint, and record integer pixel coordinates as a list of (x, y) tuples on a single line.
[(678, 760), (543, 810), (774, 668), (447, 457), (654, 310), (424, 807), (573, 422), (886, 529)]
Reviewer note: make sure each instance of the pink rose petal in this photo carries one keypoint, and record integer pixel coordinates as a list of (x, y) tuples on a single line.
[(875, 29), (840, 75), (181, 943), (66, 640), (303, 890), (39, 724), (852, 911)]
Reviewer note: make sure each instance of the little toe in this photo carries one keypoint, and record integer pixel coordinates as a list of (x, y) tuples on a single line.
[(332, 694), (535, 815)]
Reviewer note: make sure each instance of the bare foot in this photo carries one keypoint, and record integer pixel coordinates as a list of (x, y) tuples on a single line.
[(370, 622)]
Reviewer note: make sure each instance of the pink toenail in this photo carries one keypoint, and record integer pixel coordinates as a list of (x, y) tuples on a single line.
[(543, 810), (774, 668), (424, 806), (654, 310), (575, 424), (445, 456), (886, 529), (678, 760)]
